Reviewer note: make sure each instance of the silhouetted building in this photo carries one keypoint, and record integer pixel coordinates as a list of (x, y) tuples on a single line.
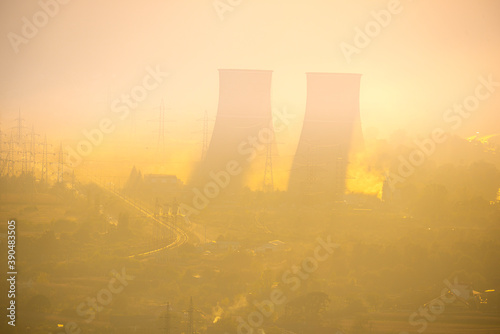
[(331, 128), (243, 120)]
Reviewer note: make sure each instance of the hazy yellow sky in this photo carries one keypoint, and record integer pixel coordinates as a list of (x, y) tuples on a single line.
[(427, 58)]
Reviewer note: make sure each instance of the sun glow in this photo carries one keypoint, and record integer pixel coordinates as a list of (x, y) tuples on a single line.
[(363, 178)]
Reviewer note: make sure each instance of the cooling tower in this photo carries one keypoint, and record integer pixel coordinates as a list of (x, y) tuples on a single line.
[(330, 130), (243, 116)]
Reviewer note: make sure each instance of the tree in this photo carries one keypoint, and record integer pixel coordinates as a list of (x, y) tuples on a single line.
[(308, 308)]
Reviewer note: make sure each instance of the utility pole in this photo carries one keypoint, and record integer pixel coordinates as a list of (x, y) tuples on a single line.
[(156, 227), (157, 208), (167, 320), (24, 160), (190, 328), (161, 129), (175, 212), (33, 150), (45, 163)]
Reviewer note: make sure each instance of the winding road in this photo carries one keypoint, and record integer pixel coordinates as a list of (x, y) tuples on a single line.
[(181, 236)]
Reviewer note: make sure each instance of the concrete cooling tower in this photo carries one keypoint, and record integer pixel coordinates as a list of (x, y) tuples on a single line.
[(244, 112), (331, 129)]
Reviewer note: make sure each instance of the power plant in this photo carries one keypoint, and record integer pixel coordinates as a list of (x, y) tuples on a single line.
[(243, 140), (331, 128), (243, 116)]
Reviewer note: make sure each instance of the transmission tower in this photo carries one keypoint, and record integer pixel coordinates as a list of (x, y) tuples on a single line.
[(205, 133), (33, 150), (45, 163), (161, 129), (60, 165), (25, 159), (341, 172), (19, 128)]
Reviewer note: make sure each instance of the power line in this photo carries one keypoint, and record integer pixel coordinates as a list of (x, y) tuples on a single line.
[(190, 324), (60, 165), (10, 156), (161, 128), (168, 319), (19, 128)]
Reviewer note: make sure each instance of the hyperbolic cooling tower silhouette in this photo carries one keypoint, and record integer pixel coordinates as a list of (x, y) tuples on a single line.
[(331, 128), (244, 110)]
